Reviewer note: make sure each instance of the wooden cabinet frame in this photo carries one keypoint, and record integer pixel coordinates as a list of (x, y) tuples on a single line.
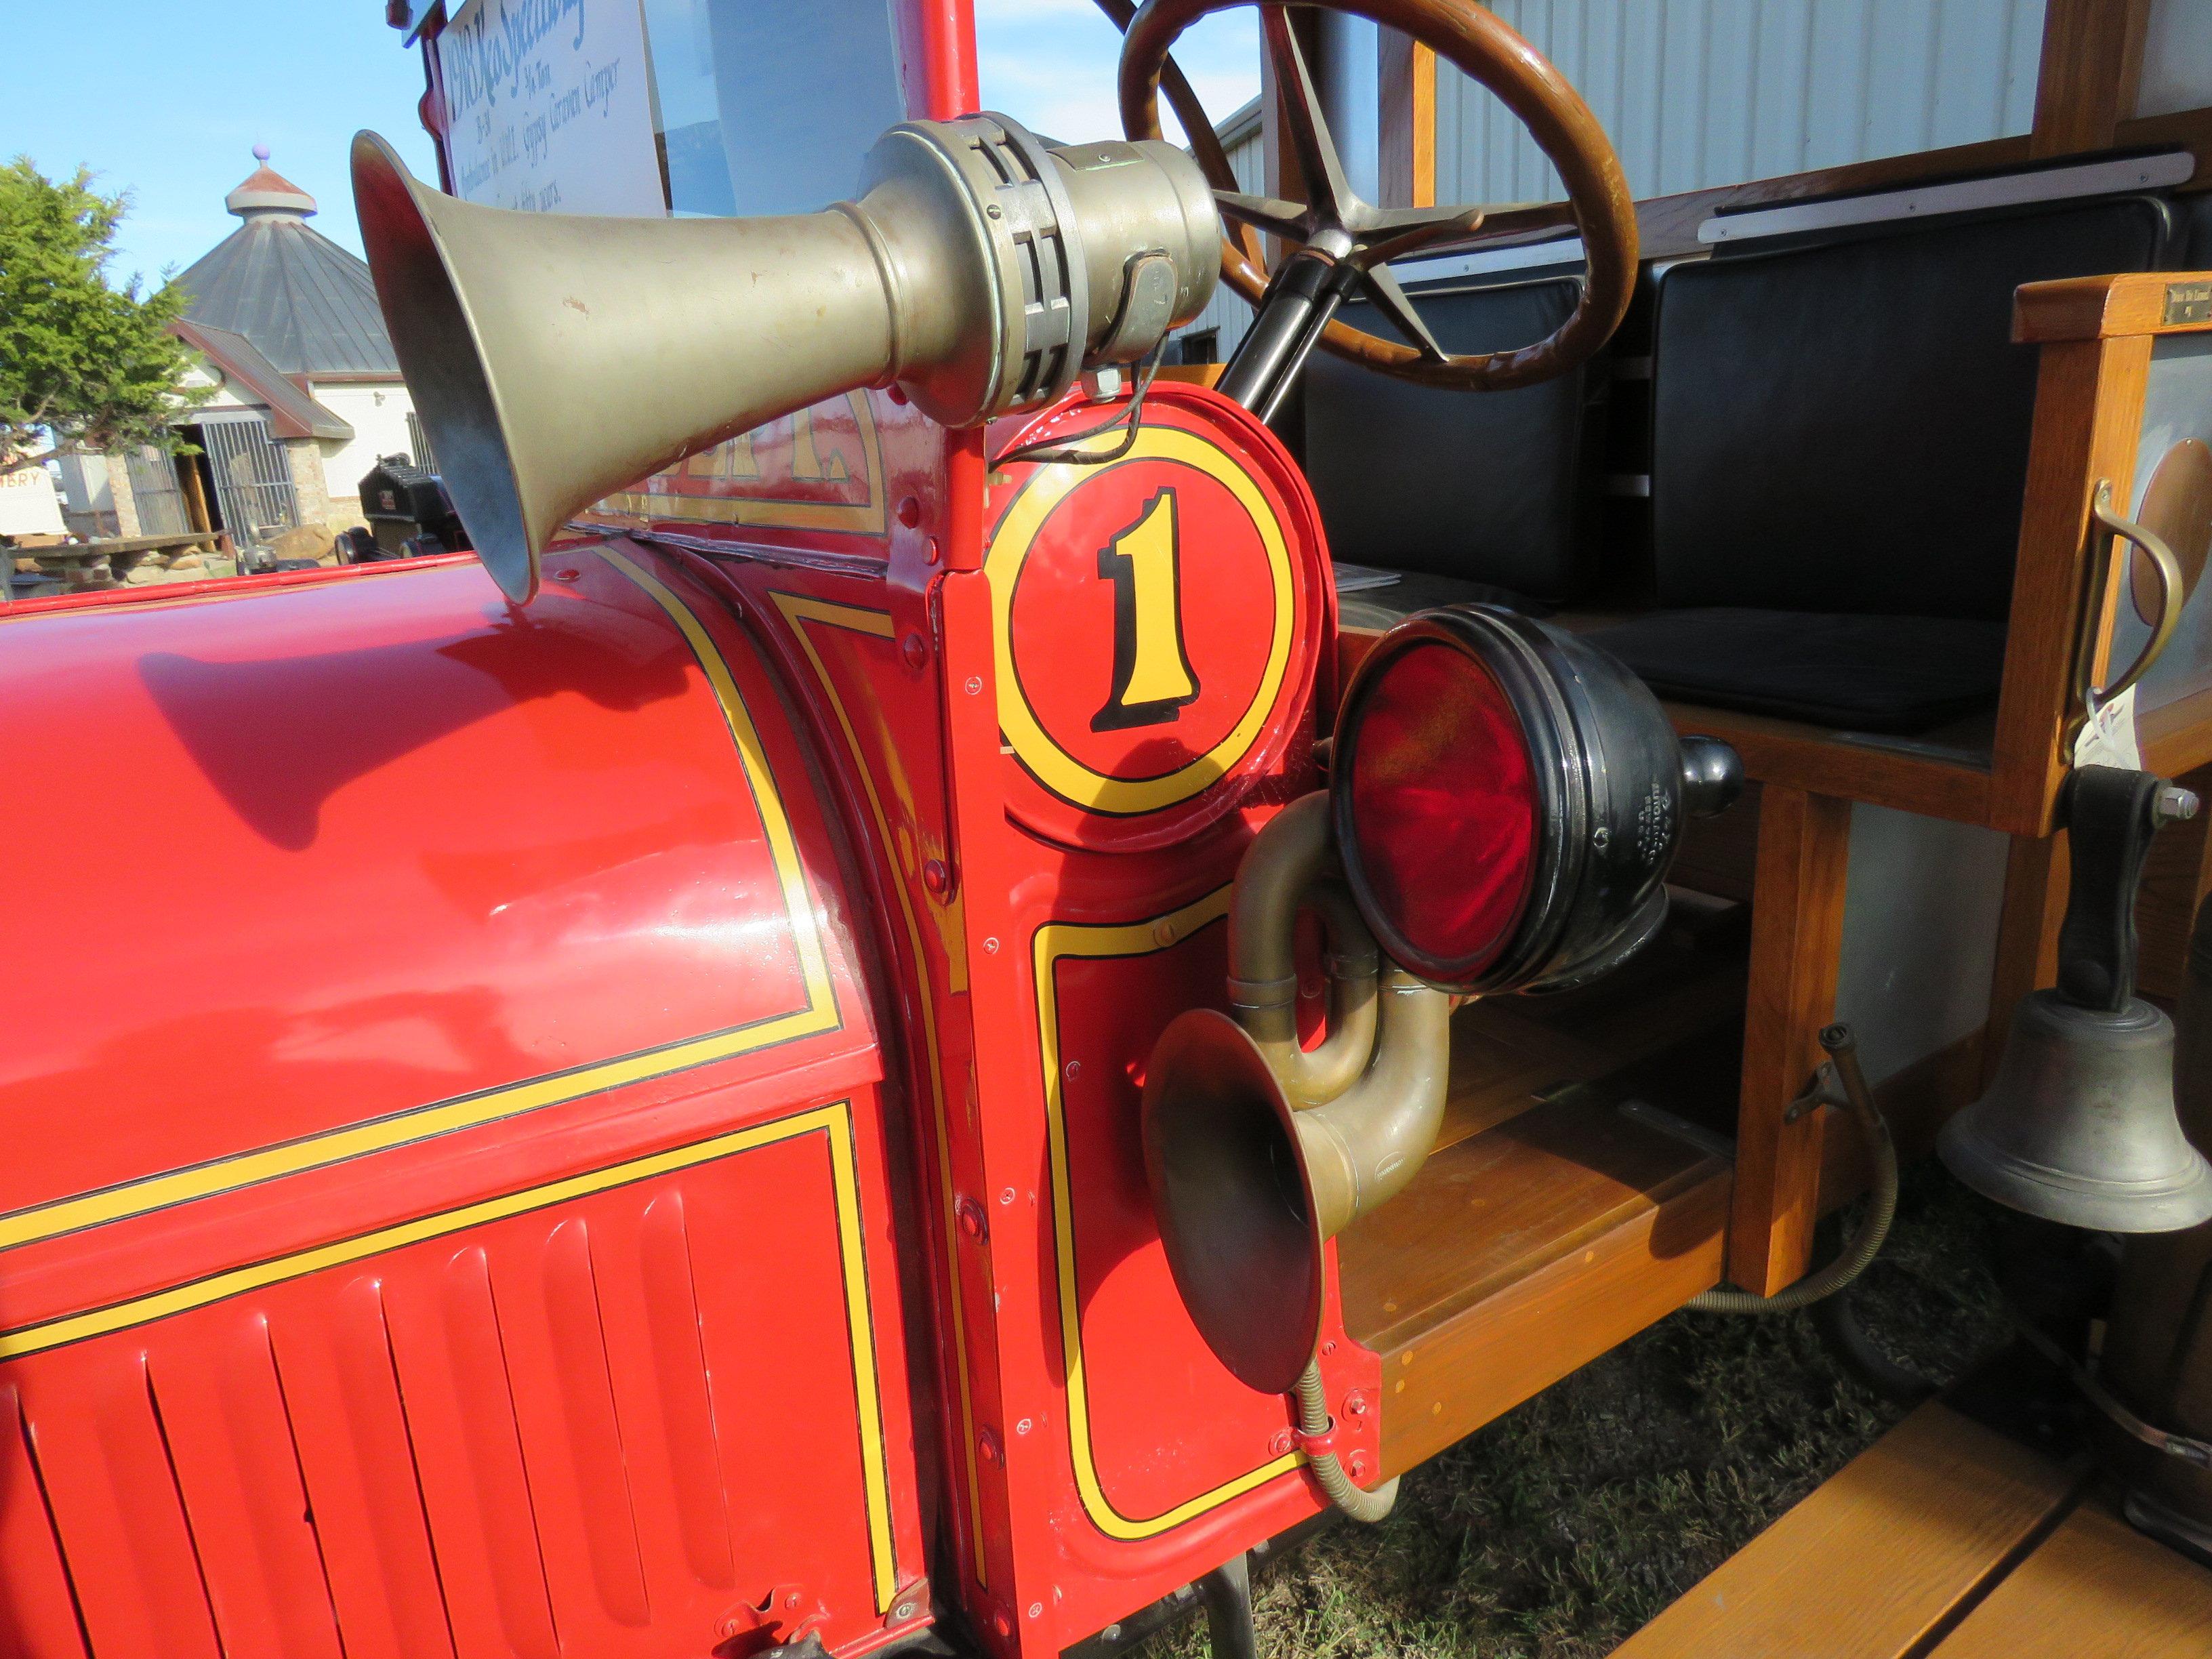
[(2095, 336)]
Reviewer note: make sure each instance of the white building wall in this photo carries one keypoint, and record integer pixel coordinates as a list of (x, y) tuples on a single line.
[(88, 496), (2177, 72), (377, 415), (85, 486), (1227, 312), (1697, 94)]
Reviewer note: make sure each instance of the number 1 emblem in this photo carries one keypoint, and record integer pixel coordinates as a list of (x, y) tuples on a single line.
[(1152, 677)]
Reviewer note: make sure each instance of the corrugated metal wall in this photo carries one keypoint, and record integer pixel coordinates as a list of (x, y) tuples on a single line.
[(1701, 92), (1228, 315)]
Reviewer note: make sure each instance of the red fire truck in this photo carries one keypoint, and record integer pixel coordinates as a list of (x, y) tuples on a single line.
[(866, 1028)]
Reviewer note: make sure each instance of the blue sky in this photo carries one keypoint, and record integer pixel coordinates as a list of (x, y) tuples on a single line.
[(167, 100)]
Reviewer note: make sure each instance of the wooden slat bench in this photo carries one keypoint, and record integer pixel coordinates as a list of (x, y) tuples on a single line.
[(1943, 1540)]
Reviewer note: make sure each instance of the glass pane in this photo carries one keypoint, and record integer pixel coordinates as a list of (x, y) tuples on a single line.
[(767, 107)]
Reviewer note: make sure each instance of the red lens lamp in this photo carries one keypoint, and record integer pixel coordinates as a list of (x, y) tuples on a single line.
[(1507, 800)]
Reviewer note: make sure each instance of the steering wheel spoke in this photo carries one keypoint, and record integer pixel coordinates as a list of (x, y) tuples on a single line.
[(1332, 201), (1419, 234), (1278, 218), (1382, 286)]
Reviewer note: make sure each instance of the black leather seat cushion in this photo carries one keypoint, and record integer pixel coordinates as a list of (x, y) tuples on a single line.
[(1480, 487), (1845, 427), (1891, 674)]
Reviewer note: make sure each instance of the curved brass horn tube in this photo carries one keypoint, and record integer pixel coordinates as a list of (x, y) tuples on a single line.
[(1363, 1147), (1353, 967), (1372, 1096), (1287, 868), (1370, 1099)]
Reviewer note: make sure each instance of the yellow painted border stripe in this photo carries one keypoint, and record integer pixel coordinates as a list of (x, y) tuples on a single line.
[(875, 1474), (1055, 940), (835, 1122), (782, 844), (797, 609), (315, 1152)]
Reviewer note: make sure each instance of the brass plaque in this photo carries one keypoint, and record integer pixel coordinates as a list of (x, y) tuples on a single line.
[(2187, 302)]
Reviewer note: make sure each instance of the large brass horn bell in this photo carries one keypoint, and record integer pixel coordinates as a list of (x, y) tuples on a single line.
[(2079, 1126), (1258, 1151), (555, 358), (1229, 1180)]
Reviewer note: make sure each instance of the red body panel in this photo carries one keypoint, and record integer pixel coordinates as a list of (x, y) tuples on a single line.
[(504, 1091), (448, 1195), (1071, 1504)]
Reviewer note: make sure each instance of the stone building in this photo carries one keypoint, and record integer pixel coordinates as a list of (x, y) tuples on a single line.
[(305, 391)]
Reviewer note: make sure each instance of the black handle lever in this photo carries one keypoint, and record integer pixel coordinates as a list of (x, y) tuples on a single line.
[(2111, 814)]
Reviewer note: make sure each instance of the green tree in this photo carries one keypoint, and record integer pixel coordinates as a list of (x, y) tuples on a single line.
[(83, 363)]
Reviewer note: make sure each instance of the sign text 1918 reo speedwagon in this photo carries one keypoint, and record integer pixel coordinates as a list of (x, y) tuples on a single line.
[(902, 1031)]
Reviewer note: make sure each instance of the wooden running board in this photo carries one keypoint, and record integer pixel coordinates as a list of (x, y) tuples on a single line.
[(1550, 1225), (1912, 1551), (1522, 1253)]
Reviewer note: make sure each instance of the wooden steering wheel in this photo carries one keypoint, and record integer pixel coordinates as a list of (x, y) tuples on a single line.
[(1334, 221)]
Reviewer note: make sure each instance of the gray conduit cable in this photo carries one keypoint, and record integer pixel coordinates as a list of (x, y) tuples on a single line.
[(1843, 1050), (1315, 1425)]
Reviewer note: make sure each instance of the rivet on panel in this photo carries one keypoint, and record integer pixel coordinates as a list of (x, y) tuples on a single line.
[(915, 650), (909, 511)]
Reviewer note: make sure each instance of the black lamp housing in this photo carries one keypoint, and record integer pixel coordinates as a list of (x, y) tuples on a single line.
[(1612, 782)]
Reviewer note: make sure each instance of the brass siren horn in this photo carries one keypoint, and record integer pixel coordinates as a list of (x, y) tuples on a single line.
[(2079, 1125), (555, 358), (1259, 1152)]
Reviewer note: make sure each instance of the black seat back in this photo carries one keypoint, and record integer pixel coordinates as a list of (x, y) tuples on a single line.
[(1480, 487), (2196, 233), (1844, 426)]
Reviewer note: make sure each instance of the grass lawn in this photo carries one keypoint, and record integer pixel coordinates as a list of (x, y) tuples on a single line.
[(1559, 1529)]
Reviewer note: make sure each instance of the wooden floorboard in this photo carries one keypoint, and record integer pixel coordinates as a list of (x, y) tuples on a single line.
[(1499, 1205), (1520, 1253), (2095, 1587), (1548, 1225), (1877, 1562)]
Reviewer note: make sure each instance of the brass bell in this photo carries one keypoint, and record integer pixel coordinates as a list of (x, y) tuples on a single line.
[(2079, 1126)]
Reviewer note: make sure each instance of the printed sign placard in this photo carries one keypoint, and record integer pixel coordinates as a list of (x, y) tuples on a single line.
[(548, 108), (28, 506)]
